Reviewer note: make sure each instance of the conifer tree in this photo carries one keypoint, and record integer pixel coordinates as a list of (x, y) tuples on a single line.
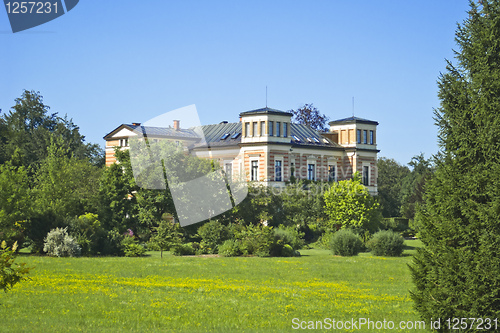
[(457, 273)]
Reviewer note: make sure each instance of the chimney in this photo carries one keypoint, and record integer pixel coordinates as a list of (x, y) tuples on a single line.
[(136, 124), (177, 124)]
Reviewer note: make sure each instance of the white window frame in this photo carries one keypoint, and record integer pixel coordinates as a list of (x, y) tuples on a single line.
[(251, 169), (282, 173), (315, 170)]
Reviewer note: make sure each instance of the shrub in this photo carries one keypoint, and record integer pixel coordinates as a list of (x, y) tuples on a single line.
[(131, 248), (290, 236), (230, 248), (386, 243), (325, 239), (345, 243), (213, 234), (89, 233), (59, 244), (184, 249), (10, 272), (287, 251), (257, 240)]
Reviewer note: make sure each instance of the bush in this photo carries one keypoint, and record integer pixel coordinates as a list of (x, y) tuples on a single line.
[(10, 272), (386, 243), (256, 240), (131, 248), (287, 251), (184, 249), (230, 248), (59, 244), (290, 236), (89, 233), (346, 243), (213, 234)]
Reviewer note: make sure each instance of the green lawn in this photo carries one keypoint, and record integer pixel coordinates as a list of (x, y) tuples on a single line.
[(207, 294)]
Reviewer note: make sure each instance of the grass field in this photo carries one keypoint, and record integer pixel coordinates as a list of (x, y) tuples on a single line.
[(207, 294)]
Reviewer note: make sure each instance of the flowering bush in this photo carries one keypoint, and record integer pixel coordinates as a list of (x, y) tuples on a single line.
[(59, 244)]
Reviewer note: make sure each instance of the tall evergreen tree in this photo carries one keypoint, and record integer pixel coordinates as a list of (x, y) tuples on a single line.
[(457, 273)]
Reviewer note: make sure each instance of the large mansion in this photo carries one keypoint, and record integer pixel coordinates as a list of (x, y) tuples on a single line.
[(264, 146)]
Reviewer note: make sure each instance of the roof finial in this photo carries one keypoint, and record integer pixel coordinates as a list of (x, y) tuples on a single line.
[(353, 106), (266, 97)]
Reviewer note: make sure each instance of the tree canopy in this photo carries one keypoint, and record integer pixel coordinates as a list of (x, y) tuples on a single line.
[(457, 273), (310, 116)]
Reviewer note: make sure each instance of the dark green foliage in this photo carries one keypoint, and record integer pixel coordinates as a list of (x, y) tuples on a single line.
[(213, 234), (457, 273), (10, 272), (389, 185), (89, 233), (413, 186), (29, 127), (184, 249), (166, 236), (230, 248), (132, 248), (290, 236), (256, 240), (346, 243), (398, 224), (386, 243)]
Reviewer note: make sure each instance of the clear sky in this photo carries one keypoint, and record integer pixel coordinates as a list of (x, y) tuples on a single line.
[(110, 62)]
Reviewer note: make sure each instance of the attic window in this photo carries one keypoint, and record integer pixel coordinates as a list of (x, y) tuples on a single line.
[(325, 140), (316, 140), (309, 140), (235, 135), (295, 138), (225, 136)]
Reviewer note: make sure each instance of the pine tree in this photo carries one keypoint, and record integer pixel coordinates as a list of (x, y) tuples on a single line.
[(457, 273)]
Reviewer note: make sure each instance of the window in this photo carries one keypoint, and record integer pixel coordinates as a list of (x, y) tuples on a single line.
[(292, 169), (254, 128), (331, 173), (271, 125), (366, 174), (225, 136), (123, 142), (296, 138), (311, 175), (365, 136), (277, 171), (278, 128), (235, 135), (247, 129), (262, 128), (316, 140), (371, 137), (255, 171), (285, 130), (358, 139), (228, 168)]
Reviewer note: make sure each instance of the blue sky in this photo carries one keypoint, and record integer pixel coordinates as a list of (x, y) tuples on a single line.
[(118, 61)]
